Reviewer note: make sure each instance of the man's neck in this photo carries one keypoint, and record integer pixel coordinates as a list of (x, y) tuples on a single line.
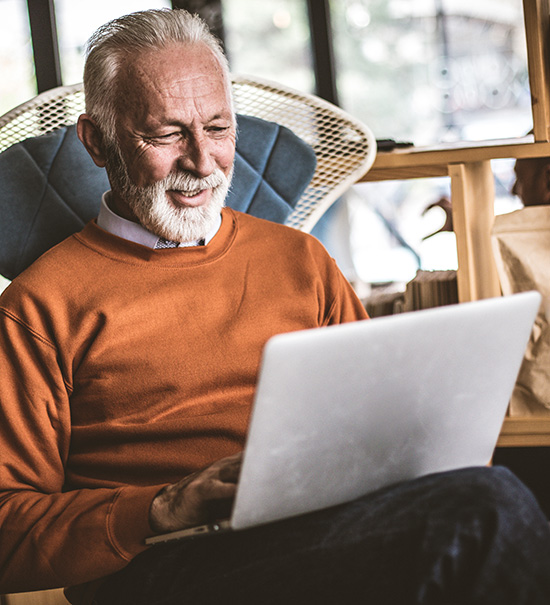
[(121, 207)]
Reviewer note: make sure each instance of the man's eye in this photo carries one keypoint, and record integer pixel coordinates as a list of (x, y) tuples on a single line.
[(218, 130), (162, 139)]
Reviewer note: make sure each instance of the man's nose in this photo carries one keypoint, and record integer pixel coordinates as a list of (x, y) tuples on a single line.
[(196, 157)]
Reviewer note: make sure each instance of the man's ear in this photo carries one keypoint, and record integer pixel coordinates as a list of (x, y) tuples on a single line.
[(91, 137)]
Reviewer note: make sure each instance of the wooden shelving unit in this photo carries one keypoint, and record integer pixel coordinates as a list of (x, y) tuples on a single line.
[(472, 191)]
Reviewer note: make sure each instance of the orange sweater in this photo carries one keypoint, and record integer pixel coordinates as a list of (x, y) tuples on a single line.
[(125, 368)]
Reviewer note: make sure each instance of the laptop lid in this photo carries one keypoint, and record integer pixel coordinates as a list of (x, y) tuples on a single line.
[(344, 410)]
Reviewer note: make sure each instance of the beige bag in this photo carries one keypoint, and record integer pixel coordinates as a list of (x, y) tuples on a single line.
[(521, 245)]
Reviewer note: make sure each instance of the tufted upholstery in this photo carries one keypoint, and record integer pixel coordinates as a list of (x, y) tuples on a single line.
[(50, 187)]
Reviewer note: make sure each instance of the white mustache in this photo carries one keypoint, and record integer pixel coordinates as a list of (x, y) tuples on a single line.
[(187, 183)]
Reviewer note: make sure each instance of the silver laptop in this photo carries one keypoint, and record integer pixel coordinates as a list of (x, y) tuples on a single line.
[(344, 410)]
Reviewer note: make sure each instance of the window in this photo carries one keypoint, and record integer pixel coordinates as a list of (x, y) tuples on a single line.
[(433, 70), (270, 39), (16, 62), (426, 71), (77, 21)]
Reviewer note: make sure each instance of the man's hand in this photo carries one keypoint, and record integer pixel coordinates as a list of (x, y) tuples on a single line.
[(201, 497)]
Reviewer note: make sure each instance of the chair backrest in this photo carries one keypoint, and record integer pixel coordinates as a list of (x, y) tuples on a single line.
[(50, 187), (290, 169), (344, 147)]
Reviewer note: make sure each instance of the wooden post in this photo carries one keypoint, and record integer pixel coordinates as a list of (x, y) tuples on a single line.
[(473, 194)]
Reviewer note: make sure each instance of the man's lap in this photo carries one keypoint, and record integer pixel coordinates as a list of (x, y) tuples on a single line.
[(406, 541)]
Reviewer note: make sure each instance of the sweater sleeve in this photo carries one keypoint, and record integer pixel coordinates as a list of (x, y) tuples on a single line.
[(345, 306), (53, 538)]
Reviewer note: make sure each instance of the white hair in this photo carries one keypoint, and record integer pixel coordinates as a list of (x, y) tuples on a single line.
[(113, 43)]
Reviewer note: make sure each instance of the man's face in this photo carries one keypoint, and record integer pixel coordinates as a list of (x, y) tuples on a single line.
[(172, 161)]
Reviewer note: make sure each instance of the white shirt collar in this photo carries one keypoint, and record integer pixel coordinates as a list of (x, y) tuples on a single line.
[(134, 232)]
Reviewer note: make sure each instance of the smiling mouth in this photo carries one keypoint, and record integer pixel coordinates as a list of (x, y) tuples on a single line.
[(183, 197), (193, 193)]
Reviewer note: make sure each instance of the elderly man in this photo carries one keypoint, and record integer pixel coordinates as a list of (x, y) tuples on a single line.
[(129, 357)]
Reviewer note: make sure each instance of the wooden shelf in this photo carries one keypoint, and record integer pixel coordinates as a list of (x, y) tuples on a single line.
[(525, 431), (420, 162)]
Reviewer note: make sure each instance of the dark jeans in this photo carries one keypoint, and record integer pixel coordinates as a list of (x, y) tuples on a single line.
[(469, 536)]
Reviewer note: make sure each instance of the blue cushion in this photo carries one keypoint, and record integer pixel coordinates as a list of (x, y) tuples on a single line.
[(272, 169), (50, 187)]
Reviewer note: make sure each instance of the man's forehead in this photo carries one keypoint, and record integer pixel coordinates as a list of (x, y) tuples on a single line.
[(177, 71), (173, 85)]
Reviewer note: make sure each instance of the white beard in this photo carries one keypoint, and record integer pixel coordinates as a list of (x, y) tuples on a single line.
[(154, 210), (179, 224)]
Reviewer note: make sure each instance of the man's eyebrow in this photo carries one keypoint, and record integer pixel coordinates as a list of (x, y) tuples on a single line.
[(218, 116), (222, 116)]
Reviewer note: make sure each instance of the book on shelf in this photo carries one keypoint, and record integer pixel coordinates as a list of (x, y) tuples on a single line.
[(426, 290)]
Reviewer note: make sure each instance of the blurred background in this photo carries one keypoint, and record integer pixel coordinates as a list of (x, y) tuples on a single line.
[(421, 71)]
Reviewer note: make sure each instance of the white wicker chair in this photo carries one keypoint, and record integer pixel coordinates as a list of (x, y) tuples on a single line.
[(344, 147)]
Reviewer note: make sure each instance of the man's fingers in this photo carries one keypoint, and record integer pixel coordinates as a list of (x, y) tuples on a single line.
[(191, 500), (221, 490), (230, 473)]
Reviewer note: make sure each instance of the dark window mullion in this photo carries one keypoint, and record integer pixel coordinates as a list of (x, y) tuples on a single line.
[(44, 43), (209, 10), (323, 56)]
